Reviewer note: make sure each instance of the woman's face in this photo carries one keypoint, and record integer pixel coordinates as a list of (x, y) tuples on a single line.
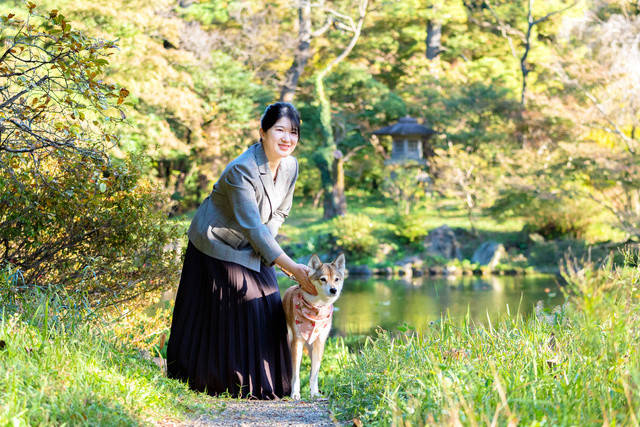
[(279, 140)]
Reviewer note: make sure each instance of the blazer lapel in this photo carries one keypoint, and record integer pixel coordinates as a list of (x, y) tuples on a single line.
[(265, 174)]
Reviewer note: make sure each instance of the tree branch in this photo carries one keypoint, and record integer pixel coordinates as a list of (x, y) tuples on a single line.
[(18, 95)]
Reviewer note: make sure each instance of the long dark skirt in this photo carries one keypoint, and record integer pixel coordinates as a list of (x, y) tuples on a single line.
[(229, 332)]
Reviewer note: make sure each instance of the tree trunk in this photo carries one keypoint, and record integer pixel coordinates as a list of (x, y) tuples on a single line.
[(329, 159), (434, 33), (339, 199), (302, 54), (335, 202)]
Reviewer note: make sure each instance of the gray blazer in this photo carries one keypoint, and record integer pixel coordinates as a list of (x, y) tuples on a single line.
[(239, 220)]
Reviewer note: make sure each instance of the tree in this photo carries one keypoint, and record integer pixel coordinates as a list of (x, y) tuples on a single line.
[(466, 175), (598, 63), (71, 214), (329, 159), (330, 18)]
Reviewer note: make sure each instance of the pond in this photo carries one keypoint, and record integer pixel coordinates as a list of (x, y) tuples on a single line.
[(368, 303)]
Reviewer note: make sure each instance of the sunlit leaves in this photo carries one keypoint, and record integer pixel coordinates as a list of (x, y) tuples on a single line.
[(70, 209)]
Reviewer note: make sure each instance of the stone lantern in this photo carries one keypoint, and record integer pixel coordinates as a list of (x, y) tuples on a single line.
[(410, 140)]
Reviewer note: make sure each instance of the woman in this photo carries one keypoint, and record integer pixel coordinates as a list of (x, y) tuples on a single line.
[(228, 331)]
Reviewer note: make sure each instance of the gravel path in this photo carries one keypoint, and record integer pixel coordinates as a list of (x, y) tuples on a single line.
[(264, 413)]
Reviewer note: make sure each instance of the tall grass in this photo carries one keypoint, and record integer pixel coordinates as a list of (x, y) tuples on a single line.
[(61, 364), (575, 365)]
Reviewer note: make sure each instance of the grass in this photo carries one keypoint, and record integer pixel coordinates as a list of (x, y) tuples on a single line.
[(61, 363), (577, 366), (61, 366)]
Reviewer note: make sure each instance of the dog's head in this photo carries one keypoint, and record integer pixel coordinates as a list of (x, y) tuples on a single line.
[(327, 277)]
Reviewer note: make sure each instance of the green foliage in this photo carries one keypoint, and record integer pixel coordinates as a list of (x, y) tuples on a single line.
[(405, 184), (70, 211), (92, 221), (62, 364), (410, 228), (353, 233), (552, 216), (208, 12)]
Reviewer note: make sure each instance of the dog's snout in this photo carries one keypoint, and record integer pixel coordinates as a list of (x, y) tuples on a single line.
[(333, 291)]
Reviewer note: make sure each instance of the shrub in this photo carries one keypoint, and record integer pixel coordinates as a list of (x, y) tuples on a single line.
[(405, 184), (410, 228), (353, 233), (69, 210), (548, 215)]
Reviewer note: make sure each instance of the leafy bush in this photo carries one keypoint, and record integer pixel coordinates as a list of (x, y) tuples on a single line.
[(405, 184), (410, 228), (353, 233), (548, 215), (69, 210)]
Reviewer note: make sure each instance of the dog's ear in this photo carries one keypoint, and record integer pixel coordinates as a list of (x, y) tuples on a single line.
[(314, 262), (340, 263)]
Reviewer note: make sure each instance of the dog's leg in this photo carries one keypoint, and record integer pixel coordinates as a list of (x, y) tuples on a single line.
[(317, 348), (296, 358)]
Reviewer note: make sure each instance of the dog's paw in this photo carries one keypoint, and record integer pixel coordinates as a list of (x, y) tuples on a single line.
[(316, 396), (295, 396)]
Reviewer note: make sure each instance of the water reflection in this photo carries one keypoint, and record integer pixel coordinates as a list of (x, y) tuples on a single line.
[(366, 304)]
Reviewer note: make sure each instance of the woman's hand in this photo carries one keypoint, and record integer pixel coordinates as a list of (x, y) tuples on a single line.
[(301, 273)]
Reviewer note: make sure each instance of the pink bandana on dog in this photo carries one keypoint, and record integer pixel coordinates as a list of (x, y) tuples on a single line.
[(310, 320)]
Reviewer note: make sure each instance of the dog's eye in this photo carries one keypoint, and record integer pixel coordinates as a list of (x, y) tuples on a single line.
[(322, 279), (337, 279)]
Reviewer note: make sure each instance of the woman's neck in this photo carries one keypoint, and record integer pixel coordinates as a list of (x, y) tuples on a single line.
[(273, 165)]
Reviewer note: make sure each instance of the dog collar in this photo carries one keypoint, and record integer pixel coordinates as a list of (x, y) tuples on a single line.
[(310, 319)]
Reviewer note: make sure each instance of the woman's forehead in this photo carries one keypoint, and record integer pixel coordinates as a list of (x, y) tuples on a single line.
[(285, 122)]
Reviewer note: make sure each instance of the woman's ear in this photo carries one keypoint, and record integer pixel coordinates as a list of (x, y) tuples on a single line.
[(261, 132)]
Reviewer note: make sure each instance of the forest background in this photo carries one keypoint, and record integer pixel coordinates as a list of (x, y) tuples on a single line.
[(535, 106)]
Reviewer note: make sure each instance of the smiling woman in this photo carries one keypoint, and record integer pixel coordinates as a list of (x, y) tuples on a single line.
[(228, 331)]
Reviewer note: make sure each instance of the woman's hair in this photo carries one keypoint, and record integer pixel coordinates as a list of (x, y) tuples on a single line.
[(278, 110)]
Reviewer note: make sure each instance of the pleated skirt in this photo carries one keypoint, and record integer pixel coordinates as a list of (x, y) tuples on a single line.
[(228, 332)]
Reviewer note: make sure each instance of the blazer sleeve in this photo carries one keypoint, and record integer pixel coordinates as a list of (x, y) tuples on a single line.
[(282, 212), (242, 199)]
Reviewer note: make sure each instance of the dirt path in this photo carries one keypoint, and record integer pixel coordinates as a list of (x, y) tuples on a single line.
[(231, 412)]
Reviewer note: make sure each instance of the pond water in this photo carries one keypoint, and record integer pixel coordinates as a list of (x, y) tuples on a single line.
[(368, 303)]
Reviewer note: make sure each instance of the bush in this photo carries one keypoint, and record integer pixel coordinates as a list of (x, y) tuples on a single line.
[(69, 210), (410, 228), (550, 216), (97, 229), (353, 233)]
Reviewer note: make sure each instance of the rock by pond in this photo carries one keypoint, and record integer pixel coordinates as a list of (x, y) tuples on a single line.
[(489, 253), (442, 241)]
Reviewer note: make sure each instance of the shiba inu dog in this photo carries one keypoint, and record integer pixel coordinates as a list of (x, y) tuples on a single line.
[(309, 318)]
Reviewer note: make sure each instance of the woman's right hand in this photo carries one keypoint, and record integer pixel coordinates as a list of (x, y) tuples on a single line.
[(301, 273)]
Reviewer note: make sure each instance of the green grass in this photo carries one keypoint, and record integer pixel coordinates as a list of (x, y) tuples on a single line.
[(306, 232), (56, 367), (577, 366)]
